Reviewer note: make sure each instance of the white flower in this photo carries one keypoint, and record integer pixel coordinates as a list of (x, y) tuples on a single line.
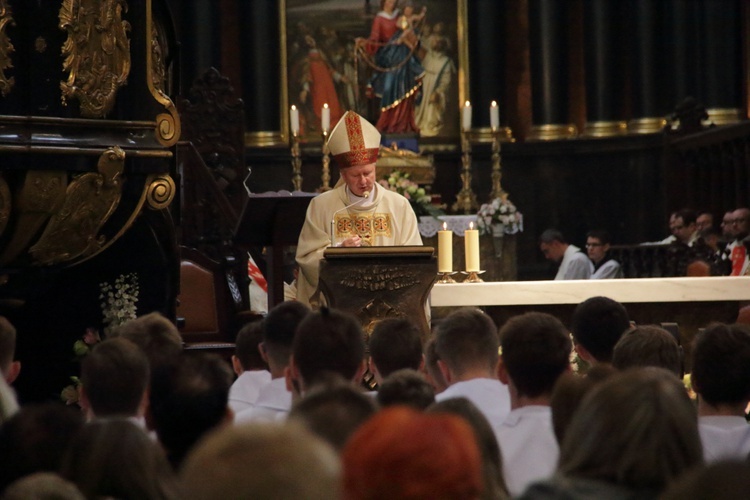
[(499, 211), (119, 304)]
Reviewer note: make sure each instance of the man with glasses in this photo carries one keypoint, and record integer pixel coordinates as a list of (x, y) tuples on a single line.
[(597, 248), (737, 249), (683, 227)]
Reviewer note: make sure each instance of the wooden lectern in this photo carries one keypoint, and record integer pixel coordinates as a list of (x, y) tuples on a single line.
[(374, 283), (273, 220)]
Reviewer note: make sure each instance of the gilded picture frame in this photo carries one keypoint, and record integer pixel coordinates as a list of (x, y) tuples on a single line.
[(322, 61)]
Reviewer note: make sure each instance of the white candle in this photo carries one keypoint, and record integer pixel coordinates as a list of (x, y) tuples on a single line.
[(494, 116), (466, 116), (294, 119), (325, 118), (445, 250), (471, 248)]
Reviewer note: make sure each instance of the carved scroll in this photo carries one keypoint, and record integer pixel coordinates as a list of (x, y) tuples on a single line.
[(97, 53), (168, 123), (6, 18)]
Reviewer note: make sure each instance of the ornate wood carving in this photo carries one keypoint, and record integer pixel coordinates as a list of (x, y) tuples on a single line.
[(168, 127), (97, 53), (6, 48), (89, 201)]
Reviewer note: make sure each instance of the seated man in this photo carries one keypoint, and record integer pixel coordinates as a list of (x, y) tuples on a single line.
[(574, 264), (247, 362), (683, 227), (737, 248), (357, 212), (597, 325), (395, 344), (597, 248), (648, 345)]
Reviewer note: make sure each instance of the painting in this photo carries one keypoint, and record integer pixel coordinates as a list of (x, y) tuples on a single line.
[(402, 64)]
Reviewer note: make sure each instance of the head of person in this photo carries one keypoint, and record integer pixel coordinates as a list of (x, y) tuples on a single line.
[(9, 366), (406, 387), (467, 344), (279, 328), (682, 225), (326, 342), (431, 368), (597, 325), (597, 245), (648, 345), (113, 458), (333, 411), (395, 343), (492, 462), (158, 337), (42, 486), (284, 462), (354, 144), (717, 481), (536, 350), (741, 223), (401, 453), (710, 237), (705, 220), (115, 378), (727, 226), (247, 350), (637, 429), (552, 243), (189, 399), (721, 365)]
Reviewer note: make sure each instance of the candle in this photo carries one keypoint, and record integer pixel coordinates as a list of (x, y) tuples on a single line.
[(294, 119), (325, 118), (445, 250), (466, 116), (471, 248), (494, 116)]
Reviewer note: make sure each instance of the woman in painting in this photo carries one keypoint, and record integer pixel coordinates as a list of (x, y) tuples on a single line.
[(394, 48)]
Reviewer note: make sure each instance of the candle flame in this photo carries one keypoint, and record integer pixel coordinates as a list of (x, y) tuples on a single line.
[(325, 105), (471, 226), (467, 104), (494, 104), (445, 226)]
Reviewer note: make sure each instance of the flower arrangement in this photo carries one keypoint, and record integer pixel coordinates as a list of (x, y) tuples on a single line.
[(419, 200), (71, 394), (119, 300), (499, 211)]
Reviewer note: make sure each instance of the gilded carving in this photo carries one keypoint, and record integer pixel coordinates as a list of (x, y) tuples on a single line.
[(377, 278), (160, 192), (97, 53), (6, 48), (158, 67), (167, 124), (90, 200), (40, 45)]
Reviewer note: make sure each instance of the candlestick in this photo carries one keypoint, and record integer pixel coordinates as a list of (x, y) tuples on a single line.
[(466, 116), (471, 249), (466, 200), (325, 118), (494, 116), (445, 250), (294, 119), (326, 173)]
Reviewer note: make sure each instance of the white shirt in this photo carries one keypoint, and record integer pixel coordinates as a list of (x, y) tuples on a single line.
[(245, 389), (724, 437), (575, 265), (489, 395), (609, 270), (528, 446), (272, 405)]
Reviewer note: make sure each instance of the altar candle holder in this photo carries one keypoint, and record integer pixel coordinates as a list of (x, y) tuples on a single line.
[(473, 276), (326, 175), (466, 200), (296, 162), (497, 174), (446, 277)]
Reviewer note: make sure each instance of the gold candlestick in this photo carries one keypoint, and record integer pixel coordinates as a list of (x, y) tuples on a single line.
[(296, 163), (497, 173), (466, 200), (326, 175)]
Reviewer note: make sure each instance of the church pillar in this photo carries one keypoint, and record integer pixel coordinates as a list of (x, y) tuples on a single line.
[(202, 47), (681, 51), (604, 68), (548, 45), (486, 21)]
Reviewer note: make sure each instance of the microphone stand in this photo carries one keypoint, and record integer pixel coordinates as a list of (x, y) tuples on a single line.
[(333, 218)]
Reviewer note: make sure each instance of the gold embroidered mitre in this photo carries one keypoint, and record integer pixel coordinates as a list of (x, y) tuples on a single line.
[(354, 141)]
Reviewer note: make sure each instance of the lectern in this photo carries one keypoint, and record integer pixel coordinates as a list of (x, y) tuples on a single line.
[(374, 283), (273, 220)]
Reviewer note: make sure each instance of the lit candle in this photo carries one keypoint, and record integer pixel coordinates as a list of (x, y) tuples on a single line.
[(325, 118), (494, 116), (445, 250), (294, 119), (466, 116), (471, 248)]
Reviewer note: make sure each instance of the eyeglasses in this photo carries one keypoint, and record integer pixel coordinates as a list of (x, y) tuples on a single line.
[(737, 221)]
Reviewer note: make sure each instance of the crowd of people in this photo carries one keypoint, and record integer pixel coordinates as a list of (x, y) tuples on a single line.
[(534, 409), (724, 250)]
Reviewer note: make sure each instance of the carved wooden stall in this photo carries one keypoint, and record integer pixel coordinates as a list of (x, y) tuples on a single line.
[(86, 164)]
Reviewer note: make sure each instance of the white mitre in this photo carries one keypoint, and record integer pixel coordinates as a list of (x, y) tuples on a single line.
[(354, 141)]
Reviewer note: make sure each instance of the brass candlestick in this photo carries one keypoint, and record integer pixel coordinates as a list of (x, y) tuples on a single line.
[(497, 173), (326, 175), (473, 276), (446, 277), (296, 163), (466, 200)]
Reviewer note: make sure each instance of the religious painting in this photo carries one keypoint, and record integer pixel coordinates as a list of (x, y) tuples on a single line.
[(400, 63)]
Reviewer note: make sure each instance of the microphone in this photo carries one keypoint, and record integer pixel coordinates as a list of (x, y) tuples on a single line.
[(365, 196)]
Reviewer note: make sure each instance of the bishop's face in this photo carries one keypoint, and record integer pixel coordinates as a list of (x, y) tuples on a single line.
[(359, 179)]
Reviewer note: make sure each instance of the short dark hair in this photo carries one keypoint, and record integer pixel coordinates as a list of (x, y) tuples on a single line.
[(648, 345), (406, 387), (601, 235), (157, 336), (597, 325), (395, 343), (246, 346), (467, 338), (7, 344), (688, 216), (536, 350), (551, 235), (328, 341), (721, 364), (115, 375), (279, 328)]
